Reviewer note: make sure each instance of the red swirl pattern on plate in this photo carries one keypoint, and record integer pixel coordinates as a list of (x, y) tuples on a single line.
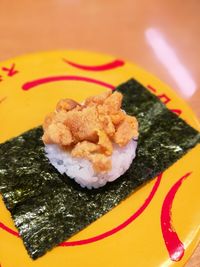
[(174, 246), (44, 80), (118, 228), (108, 66), (138, 212), (151, 88), (9, 230)]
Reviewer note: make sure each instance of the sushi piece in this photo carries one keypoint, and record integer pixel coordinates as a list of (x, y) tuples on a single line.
[(47, 208), (94, 142)]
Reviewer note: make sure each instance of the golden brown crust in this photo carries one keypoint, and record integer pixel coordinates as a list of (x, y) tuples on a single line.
[(48, 120), (83, 124), (105, 143), (59, 134), (97, 99), (101, 163), (84, 149), (89, 130), (66, 104)]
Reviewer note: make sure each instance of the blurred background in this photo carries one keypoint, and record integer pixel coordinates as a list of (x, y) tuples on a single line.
[(160, 36)]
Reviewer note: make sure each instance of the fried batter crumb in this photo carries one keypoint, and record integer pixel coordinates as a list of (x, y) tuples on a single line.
[(66, 105), (89, 130)]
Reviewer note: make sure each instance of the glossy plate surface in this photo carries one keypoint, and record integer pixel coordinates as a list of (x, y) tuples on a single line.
[(135, 232)]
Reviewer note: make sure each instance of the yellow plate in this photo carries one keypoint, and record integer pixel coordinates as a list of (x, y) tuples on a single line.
[(30, 86)]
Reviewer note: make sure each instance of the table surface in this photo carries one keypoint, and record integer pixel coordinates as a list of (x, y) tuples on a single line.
[(160, 36)]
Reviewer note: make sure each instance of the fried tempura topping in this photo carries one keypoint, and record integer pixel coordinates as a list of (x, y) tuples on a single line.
[(89, 130)]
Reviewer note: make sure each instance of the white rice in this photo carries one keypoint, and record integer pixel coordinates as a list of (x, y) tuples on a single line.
[(81, 170)]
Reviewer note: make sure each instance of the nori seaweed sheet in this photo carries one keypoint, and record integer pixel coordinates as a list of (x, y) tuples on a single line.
[(47, 208)]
